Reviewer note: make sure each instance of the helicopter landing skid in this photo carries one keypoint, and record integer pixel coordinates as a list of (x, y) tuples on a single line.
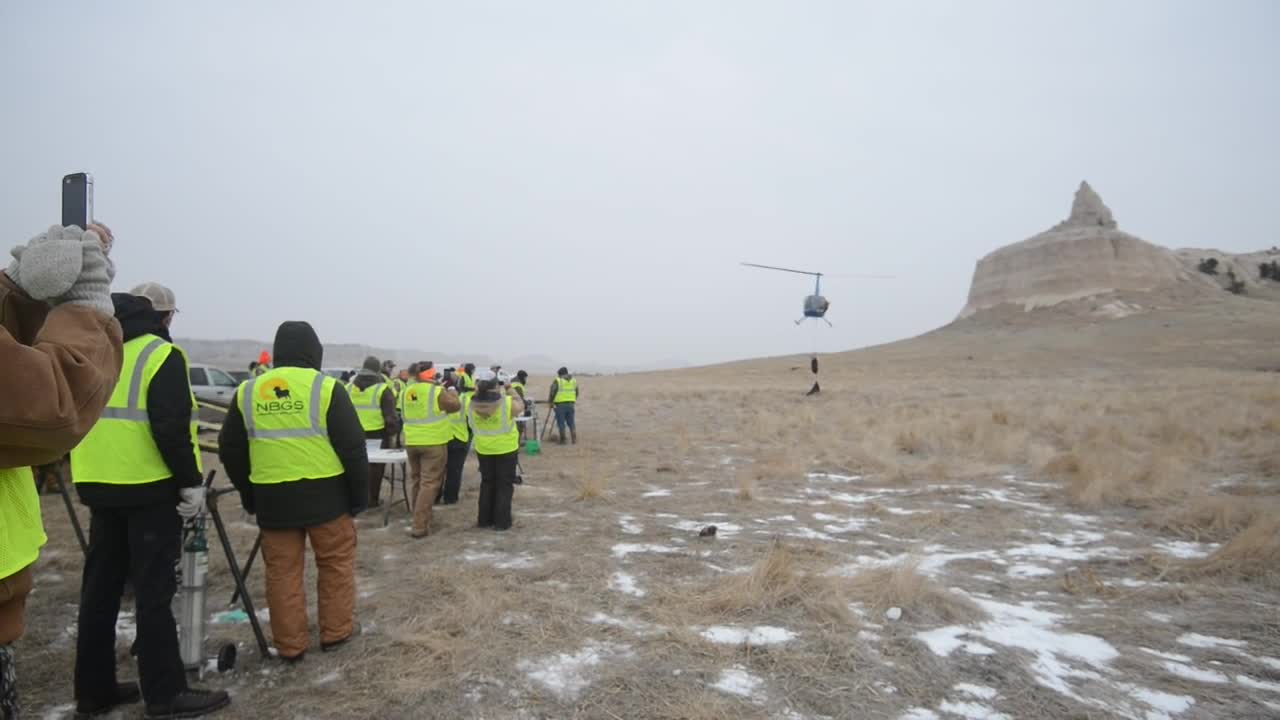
[(828, 322)]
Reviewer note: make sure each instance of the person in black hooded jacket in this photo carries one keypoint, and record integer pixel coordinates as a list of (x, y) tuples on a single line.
[(291, 512)]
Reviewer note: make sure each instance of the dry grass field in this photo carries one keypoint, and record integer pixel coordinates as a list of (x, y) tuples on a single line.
[(1013, 517)]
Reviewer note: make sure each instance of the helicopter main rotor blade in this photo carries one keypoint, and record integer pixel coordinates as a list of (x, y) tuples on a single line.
[(844, 276), (782, 269)]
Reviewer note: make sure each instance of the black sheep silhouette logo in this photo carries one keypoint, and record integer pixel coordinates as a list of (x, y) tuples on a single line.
[(282, 393)]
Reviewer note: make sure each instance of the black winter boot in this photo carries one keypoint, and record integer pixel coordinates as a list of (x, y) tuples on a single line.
[(127, 693), (575, 436), (191, 703), (562, 437)]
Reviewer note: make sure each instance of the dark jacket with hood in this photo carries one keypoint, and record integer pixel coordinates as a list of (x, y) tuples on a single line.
[(387, 403), (309, 502), (168, 410)]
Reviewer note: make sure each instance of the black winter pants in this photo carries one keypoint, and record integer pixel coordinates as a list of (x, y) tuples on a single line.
[(141, 545), (497, 485), (453, 471)]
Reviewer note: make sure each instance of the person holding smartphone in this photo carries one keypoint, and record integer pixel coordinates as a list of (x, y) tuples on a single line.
[(61, 353)]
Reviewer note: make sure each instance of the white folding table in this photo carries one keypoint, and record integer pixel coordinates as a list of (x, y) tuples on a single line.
[(392, 457)]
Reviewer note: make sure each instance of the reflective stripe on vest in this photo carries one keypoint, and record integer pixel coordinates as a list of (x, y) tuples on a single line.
[(288, 435), (21, 532), (120, 449), (566, 390), (424, 424), (459, 419), (368, 404), (496, 434)]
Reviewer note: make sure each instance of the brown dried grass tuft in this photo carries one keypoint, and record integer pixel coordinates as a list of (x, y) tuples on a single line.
[(1214, 517), (904, 586), (1254, 554), (775, 582)]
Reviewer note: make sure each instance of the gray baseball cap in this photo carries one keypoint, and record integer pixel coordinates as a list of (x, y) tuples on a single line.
[(161, 297)]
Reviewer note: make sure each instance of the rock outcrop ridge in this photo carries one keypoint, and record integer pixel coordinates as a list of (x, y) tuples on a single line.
[(1082, 256)]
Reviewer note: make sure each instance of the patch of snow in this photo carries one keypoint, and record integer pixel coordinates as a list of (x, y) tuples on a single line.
[(566, 674), (1186, 550), (624, 583), (758, 635), (1270, 705), (1163, 702), (629, 525), (1028, 628), (657, 494), (974, 711), (919, 714), (621, 550), (636, 626), (893, 613), (1160, 617), (1249, 682), (804, 533), (1189, 673), (1209, 642), (737, 681), (946, 640), (903, 511), (982, 692), (1270, 662), (845, 527), (326, 679), (126, 628), (58, 712), (1023, 570), (1061, 552), (1131, 583), (1167, 656), (502, 561)]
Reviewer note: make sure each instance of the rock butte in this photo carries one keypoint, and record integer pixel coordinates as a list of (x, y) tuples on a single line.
[(1082, 256)]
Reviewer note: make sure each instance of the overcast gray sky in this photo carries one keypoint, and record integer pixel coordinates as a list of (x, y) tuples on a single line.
[(581, 179)]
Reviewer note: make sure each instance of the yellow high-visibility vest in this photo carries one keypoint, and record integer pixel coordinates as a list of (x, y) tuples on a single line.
[(566, 390), (368, 404), (120, 449), (21, 532), (497, 434), (458, 420), (286, 416), (424, 423), (466, 382)]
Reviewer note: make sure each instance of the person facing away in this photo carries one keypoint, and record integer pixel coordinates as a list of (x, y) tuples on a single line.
[(139, 472), (375, 403), (263, 364), (60, 347), (459, 446), (492, 415), (519, 385), (425, 408), (293, 447), (564, 396)]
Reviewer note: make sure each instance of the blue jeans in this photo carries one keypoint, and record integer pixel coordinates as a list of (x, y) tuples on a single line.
[(564, 416)]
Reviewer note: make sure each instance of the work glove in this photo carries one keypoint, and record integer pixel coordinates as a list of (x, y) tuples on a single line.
[(192, 502), (65, 265)]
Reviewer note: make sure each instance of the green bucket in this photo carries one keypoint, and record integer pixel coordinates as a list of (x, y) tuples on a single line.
[(532, 447)]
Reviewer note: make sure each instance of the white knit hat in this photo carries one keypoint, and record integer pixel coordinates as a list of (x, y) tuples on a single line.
[(161, 297)]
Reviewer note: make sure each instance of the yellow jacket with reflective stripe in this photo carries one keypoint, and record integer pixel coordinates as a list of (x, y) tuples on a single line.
[(566, 390), (120, 449), (368, 403), (286, 415), (459, 419), (424, 423), (21, 532), (497, 434)]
